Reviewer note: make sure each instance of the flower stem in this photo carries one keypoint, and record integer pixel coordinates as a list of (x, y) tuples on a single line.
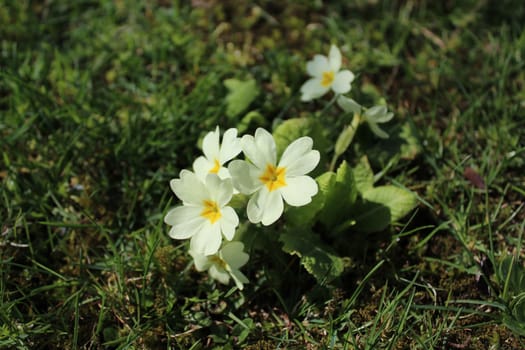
[(328, 105)]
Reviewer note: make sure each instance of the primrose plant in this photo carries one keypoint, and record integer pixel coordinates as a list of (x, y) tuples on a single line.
[(205, 216), (313, 218)]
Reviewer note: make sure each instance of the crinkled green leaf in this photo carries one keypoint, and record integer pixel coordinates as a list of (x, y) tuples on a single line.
[(411, 146), (291, 129), (318, 259), (326, 182), (398, 200), (240, 95), (251, 118), (382, 206), (304, 216), (363, 175), (340, 195)]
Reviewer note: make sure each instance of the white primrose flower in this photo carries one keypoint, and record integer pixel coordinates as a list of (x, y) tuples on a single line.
[(326, 75), (376, 115), (225, 264), (204, 216), (216, 154), (271, 182), (373, 116)]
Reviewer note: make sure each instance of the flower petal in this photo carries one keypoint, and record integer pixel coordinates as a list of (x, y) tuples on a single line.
[(220, 190), (265, 207), (303, 165), (207, 240), (342, 81), (375, 112), (189, 188), (233, 254), (377, 130), (186, 221), (239, 278), (229, 221), (210, 144), (295, 150), (313, 89), (273, 208), (182, 214), (378, 114), (299, 191), (201, 262), (253, 209), (230, 147), (385, 118), (334, 58), (224, 173), (348, 104), (202, 167), (317, 66), (186, 229), (219, 274), (298, 158), (244, 176), (260, 150), (266, 146)]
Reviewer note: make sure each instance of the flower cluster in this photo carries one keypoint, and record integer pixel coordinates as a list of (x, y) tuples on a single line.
[(205, 216)]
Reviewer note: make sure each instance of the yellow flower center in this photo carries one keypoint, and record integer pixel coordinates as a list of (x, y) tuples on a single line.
[(216, 167), (328, 78), (211, 211), (274, 177), (215, 259)]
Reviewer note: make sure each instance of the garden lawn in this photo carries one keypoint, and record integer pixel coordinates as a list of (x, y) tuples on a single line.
[(103, 102)]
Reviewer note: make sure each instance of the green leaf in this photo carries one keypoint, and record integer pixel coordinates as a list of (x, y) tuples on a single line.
[(371, 217), (363, 175), (515, 319), (518, 308), (398, 200), (411, 146), (240, 95), (252, 117), (512, 274), (291, 129), (305, 215), (317, 258), (382, 206), (340, 195)]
